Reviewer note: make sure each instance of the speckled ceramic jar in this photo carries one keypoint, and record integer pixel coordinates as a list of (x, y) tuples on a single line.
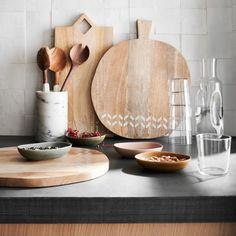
[(51, 116)]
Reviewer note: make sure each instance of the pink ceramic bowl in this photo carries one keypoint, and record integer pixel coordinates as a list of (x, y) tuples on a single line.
[(130, 149)]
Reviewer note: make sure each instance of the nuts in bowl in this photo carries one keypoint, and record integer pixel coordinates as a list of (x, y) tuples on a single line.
[(164, 158), (84, 138), (163, 161)]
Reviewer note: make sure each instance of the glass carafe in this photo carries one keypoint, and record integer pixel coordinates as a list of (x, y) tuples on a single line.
[(209, 101)]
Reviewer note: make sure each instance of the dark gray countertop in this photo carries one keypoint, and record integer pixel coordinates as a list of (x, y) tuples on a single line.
[(127, 193)]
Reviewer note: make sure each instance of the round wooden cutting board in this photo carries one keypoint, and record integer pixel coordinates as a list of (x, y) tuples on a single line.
[(130, 87), (78, 165)]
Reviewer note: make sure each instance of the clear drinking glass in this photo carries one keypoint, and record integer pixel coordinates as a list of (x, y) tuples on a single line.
[(213, 154), (180, 111)]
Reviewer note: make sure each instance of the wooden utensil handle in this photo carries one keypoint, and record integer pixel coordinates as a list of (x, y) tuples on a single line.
[(45, 76), (57, 78), (56, 87), (67, 79), (144, 28)]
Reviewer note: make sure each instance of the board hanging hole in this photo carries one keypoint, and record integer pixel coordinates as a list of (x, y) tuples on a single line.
[(84, 26)]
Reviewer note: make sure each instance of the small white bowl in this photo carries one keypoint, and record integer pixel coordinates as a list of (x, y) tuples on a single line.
[(130, 149)]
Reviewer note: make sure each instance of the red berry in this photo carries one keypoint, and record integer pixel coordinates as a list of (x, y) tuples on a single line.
[(72, 133)]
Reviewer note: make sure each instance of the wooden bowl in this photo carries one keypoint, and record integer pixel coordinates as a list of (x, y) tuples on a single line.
[(143, 161), (130, 149), (89, 141), (38, 155)]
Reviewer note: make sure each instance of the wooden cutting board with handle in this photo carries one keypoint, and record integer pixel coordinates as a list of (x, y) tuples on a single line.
[(78, 165), (130, 87), (81, 114)]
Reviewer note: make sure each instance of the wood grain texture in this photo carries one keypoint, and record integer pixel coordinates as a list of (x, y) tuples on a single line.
[(130, 87), (184, 229), (99, 40), (78, 165)]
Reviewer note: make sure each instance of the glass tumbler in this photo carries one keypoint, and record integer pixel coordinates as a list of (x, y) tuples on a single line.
[(213, 154), (180, 111)]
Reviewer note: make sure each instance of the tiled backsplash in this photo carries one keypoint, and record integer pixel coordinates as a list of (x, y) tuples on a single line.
[(198, 28)]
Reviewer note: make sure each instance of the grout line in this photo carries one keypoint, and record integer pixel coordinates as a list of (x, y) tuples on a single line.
[(51, 14), (25, 59), (129, 17), (180, 35), (25, 33)]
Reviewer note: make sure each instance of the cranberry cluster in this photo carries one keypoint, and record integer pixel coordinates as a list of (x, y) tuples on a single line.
[(75, 134), (72, 133)]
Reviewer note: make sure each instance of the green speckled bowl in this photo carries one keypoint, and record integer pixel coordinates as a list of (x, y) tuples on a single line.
[(39, 155), (90, 141)]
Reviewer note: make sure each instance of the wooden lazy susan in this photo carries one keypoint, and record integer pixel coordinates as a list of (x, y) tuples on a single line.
[(78, 165)]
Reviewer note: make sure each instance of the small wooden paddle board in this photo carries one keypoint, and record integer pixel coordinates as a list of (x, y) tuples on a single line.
[(99, 39)]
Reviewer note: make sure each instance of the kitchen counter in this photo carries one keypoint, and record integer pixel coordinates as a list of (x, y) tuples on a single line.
[(126, 194)]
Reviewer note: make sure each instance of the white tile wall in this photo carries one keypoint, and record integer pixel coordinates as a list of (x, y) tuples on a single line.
[(219, 19), (229, 94), (167, 21), (63, 17), (121, 37), (227, 71), (193, 4), (38, 32), (229, 122), (140, 13), (198, 28), (234, 17), (141, 3), (36, 5), (116, 4), (12, 102), (12, 76), (29, 127), (194, 21), (12, 5), (194, 67), (194, 46), (234, 44), (167, 4), (12, 37), (220, 45), (219, 3), (118, 18)]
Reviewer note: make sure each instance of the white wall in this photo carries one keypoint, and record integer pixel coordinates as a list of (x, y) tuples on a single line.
[(197, 28)]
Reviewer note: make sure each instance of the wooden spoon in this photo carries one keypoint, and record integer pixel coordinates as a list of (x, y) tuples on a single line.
[(43, 60), (78, 56), (57, 64)]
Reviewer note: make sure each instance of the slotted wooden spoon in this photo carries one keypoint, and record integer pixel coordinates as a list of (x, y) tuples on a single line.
[(78, 56)]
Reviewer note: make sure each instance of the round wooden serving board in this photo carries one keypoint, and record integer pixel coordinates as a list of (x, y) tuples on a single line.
[(130, 87), (78, 165)]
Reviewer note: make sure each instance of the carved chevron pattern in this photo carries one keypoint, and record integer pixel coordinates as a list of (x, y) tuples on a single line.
[(135, 121)]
